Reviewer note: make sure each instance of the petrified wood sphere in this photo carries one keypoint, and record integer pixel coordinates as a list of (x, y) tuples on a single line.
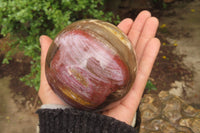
[(91, 64)]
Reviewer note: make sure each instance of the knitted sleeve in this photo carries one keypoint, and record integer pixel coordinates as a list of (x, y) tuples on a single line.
[(78, 121)]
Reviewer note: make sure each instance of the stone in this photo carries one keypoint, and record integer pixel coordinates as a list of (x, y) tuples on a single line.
[(177, 88), (176, 91), (168, 113)]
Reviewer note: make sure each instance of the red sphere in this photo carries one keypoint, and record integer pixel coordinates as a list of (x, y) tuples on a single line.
[(86, 68)]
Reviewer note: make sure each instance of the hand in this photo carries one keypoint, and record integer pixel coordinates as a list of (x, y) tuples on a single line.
[(141, 32)]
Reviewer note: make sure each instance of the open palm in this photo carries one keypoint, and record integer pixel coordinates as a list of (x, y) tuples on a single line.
[(141, 32)]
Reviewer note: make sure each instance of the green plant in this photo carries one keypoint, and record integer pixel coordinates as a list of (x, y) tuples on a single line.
[(25, 21), (150, 86)]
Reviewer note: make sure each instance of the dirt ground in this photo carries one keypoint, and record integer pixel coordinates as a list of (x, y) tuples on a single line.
[(17, 101), (14, 118), (181, 29), (178, 60)]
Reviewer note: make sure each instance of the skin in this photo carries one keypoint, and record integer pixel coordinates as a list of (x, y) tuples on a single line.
[(141, 32)]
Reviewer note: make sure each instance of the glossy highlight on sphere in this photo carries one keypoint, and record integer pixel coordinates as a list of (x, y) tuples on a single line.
[(90, 64)]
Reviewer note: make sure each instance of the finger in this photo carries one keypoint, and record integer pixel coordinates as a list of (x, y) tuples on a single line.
[(137, 26), (125, 25), (45, 42), (148, 32), (133, 98), (45, 93)]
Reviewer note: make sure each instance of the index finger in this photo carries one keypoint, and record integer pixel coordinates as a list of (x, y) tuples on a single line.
[(125, 25), (137, 27)]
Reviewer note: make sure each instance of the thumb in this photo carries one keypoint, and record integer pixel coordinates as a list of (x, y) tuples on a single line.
[(45, 42)]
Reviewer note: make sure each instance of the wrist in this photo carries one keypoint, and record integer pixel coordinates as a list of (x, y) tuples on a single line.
[(55, 106)]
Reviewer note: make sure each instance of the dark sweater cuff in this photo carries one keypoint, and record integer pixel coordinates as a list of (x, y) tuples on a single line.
[(78, 121)]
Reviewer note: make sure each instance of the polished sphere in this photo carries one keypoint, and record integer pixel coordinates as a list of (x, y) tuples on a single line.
[(91, 64)]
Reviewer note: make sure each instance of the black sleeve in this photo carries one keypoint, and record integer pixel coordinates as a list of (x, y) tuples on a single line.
[(78, 121)]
